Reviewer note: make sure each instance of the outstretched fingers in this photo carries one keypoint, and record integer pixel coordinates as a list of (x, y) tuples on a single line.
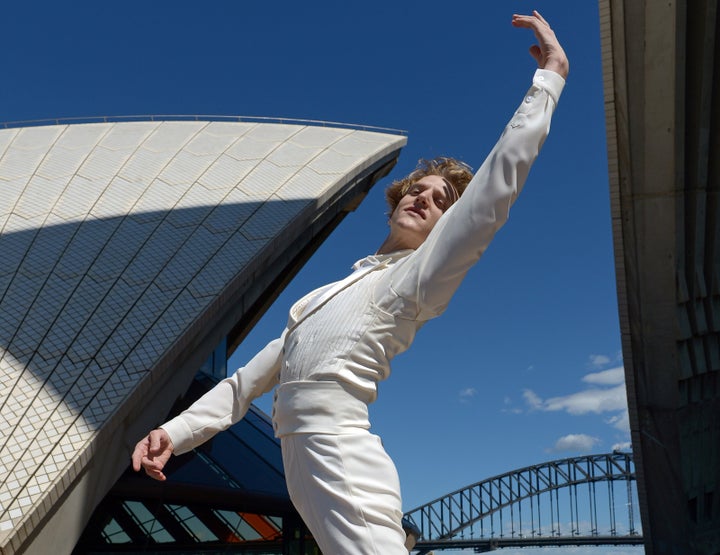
[(547, 52), (537, 15), (533, 21)]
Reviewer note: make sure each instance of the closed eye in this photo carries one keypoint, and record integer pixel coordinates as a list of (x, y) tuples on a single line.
[(441, 201)]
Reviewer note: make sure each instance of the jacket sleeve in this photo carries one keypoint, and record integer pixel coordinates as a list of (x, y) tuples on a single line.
[(227, 402), (430, 276)]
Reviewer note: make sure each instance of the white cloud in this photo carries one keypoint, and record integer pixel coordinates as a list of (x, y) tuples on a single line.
[(596, 361), (607, 395), (621, 421), (532, 399), (575, 442), (467, 393), (595, 400), (612, 376), (509, 408), (624, 446)]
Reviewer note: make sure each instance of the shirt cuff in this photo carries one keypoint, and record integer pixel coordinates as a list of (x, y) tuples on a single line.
[(180, 435), (550, 81)]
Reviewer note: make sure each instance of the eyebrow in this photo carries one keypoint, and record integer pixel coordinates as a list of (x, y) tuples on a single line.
[(453, 196)]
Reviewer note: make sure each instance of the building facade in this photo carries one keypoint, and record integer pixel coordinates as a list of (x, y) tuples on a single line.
[(662, 99)]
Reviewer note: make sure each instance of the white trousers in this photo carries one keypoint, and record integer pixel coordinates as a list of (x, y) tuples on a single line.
[(347, 491)]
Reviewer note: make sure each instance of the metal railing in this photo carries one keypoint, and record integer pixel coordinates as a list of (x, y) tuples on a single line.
[(208, 117)]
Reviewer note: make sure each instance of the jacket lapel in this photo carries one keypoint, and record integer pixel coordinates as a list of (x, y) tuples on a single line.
[(300, 310)]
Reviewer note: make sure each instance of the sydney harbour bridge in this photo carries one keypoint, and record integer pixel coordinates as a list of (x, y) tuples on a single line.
[(589, 500)]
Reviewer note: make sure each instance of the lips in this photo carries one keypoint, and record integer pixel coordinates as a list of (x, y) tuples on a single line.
[(418, 211)]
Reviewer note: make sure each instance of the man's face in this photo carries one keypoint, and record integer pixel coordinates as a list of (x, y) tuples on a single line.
[(419, 210)]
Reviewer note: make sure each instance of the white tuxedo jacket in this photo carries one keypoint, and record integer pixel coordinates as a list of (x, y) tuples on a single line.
[(340, 339)]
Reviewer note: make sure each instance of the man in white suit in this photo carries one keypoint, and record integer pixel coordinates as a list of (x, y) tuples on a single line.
[(340, 338)]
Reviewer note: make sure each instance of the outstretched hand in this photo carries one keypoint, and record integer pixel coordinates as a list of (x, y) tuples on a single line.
[(152, 453), (547, 52)]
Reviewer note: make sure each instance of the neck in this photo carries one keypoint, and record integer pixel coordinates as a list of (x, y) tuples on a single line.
[(392, 244)]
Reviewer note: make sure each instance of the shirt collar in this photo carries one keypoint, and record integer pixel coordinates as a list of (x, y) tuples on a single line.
[(375, 259)]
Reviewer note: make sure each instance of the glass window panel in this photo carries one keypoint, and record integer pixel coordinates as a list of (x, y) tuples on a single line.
[(250, 471), (241, 528), (148, 522), (215, 365), (244, 529), (266, 447), (192, 523), (113, 533), (193, 469)]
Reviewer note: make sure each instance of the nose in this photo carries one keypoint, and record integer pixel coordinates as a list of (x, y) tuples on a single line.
[(422, 199)]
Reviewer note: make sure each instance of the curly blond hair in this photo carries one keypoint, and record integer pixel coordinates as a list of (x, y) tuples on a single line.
[(458, 174)]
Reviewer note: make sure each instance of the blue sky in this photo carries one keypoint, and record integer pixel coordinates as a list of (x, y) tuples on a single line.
[(525, 365)]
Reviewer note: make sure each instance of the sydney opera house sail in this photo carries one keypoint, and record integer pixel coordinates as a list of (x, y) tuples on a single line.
[(130, 250)]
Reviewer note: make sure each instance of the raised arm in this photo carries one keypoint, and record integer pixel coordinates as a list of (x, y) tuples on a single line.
[(430, 276), (218, 409)]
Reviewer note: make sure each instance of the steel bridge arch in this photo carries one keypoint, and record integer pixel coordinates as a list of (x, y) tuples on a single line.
[(499, 506)]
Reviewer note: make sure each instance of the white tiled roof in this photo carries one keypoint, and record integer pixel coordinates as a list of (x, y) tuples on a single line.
[(115, 240)]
